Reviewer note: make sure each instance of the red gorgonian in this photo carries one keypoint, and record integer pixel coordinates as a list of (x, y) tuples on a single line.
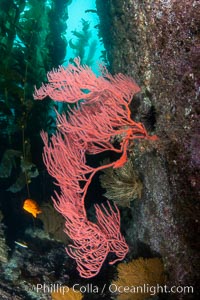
[(102, 113)]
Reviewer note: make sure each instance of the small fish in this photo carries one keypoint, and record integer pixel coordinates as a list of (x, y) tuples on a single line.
[(21, 244), (32, 207)]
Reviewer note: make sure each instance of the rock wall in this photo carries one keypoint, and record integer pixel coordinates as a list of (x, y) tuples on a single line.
[(157, 43)]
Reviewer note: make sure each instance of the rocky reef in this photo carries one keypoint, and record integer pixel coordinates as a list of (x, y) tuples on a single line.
[(157, 42)]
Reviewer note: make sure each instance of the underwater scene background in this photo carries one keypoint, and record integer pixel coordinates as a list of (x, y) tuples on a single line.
[(99, 181)]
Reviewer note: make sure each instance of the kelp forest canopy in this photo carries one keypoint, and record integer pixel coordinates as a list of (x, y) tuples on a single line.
[(32, 42)]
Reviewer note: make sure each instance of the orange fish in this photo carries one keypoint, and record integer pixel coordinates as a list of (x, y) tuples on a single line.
[(32, 207)]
